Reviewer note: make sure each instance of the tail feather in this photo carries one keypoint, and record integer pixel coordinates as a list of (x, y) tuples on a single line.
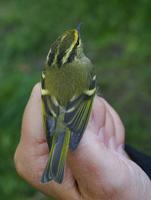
[(46, 177), (56, 161)]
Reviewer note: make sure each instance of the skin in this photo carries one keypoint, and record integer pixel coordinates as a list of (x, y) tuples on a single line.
[(98, 170)]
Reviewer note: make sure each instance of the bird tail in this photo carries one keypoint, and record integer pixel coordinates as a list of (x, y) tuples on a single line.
[(57, 157)]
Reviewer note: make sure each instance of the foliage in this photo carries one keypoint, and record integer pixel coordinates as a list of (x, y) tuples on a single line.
[(117, 37)]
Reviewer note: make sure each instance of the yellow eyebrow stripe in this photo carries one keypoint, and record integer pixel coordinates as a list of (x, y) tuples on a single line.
[(71, 47), (57, 53)]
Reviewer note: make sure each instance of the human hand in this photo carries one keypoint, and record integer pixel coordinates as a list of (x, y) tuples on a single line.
[(98, 169)]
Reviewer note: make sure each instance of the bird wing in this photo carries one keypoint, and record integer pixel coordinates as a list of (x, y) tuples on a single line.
[(58, 142), (50, 111), (76, 116), (77, 113)]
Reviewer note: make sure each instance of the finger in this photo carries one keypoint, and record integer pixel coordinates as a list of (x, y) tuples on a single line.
[(92, 158), (119, 128), (109, 128), (91, 152), (88, 164), (102, 120), (32, 128), (98, 114), (102, 123)]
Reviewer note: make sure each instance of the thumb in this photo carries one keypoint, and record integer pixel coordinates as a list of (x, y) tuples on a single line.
[(94, 151), (32, 128)]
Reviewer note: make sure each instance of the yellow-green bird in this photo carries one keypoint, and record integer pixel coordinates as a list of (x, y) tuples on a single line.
[(68, 90)]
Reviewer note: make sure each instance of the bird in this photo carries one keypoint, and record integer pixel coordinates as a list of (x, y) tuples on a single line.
[(68, 87)]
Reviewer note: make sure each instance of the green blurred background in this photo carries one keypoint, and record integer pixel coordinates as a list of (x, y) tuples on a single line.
[(117, 37)]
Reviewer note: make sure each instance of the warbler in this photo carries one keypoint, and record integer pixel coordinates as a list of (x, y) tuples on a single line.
[(68, 89)]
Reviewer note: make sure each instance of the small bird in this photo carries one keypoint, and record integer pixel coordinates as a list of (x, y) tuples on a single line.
[(68, 89)]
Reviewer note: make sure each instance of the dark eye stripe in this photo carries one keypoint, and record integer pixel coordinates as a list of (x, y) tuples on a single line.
[(72, 55), (53, 51), (60, 57)]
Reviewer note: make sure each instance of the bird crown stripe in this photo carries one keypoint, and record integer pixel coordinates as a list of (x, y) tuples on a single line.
[(56, 55), (69, 50), (73, 52), (56, 58)]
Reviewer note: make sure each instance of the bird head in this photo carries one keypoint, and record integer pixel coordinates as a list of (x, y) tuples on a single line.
[(66, 49)]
